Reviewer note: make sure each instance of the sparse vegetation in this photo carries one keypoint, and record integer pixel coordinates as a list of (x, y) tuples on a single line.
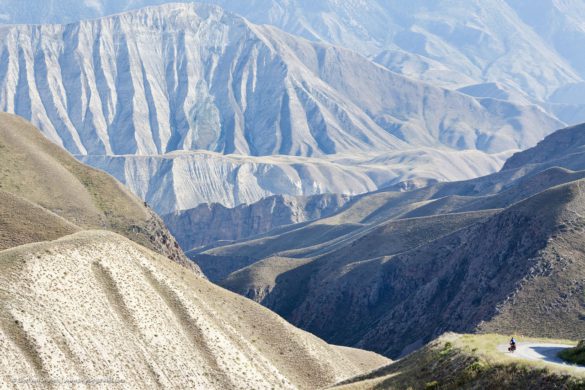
[(468, 361), (98, 288), (48, 194), (431, 385), (446, 348)]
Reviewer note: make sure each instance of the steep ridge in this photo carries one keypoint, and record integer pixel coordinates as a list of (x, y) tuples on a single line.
[(488, 276), (185, 77), (182, 180), (531, 49), (95, 306), (212, 224), (45, 189), (395, 269), (564, 148)]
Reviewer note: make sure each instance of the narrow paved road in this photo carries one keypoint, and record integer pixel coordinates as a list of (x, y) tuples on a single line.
[(541, 351)]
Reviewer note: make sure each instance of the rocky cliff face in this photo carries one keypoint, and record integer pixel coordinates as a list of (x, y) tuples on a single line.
[(161, 240)]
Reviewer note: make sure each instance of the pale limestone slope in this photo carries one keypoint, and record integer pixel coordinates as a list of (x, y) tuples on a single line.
[(95, 305)]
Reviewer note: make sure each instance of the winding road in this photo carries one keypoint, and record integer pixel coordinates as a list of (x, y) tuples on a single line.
[(541, 351)]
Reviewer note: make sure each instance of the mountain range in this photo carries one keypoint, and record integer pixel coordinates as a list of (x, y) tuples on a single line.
[(80, 303), (164, 97), (393, 270), (294, 184), (530, 49)]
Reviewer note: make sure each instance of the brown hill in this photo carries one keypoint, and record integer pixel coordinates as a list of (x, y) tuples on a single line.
[(40, 175)]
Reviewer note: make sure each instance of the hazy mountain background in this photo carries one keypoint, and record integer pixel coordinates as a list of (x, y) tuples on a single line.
[(529, 47), (188, 104)]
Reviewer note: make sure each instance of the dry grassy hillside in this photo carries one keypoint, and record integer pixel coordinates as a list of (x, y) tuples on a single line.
[(23, 222), (95, 306), (41, 175), (468, 362)]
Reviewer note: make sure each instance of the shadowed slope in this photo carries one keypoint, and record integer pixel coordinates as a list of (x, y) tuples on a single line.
[(560, 145), (518, 271), (279, 282), (502, 253)]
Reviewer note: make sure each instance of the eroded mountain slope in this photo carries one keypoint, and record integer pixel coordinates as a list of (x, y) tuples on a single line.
[(193, 78), (499, 253), (488, 276), (532, 46), (96, 306)]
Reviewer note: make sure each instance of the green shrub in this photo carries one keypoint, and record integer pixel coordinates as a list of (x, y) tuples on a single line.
[(475, 368), (431, 385), (446, 348), (574, 355)]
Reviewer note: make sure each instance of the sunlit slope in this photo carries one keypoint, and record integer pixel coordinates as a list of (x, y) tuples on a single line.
[(23, 222), (96, 305), (34, 170), (471, 362)]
